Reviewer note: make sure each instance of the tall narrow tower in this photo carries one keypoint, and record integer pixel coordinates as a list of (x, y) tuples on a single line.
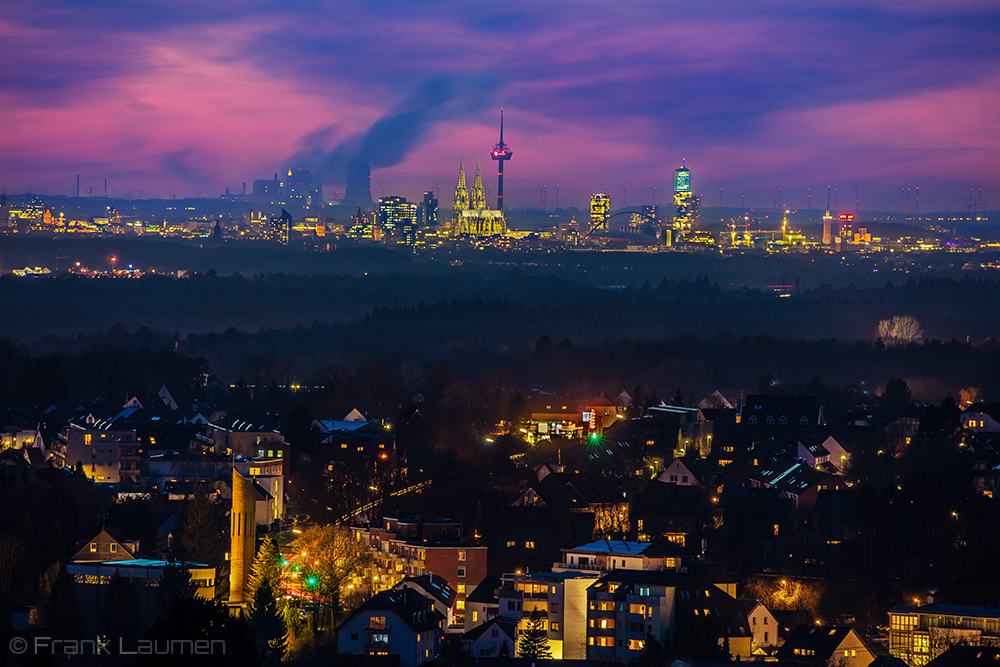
[(242, 538), (477, 199), (500, 154)]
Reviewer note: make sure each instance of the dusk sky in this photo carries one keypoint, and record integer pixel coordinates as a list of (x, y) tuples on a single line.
[(168, 97)]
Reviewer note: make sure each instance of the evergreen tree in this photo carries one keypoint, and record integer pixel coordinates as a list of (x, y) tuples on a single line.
[(653, 653), (534, 641), (266, 568), (120, 612), (175, 583), (193, 618), (267, 623), (65, 621), (201, 533)]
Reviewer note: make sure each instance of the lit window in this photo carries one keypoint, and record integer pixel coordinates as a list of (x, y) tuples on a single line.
[(93, 547), (461, 555), (529, 545)]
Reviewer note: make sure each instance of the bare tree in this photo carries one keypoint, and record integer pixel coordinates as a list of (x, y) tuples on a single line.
[(329, 558), (900, 330), (13, 555), (970, 396)]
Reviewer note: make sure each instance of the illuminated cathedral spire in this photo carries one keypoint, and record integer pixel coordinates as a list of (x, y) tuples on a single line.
[(461, 191), (478, 202)]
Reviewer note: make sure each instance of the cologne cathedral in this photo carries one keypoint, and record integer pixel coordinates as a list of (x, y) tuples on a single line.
[(469, 212)]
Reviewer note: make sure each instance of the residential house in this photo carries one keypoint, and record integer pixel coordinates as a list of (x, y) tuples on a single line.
[(669, 511), (781, 411), (394, 622), (107, 545), (495, 638), (763, 627), (107, 455), (436, 589), (685, 471), (825, 645), (827, 455), (250, 438), (483, 603)]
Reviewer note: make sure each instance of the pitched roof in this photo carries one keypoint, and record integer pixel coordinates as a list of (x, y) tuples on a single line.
[(506, 624), (822, 640), (412, 608), (486, 591), (434, 585)]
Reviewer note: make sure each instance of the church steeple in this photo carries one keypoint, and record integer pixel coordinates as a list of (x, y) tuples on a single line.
[(461, 191), (478, 202)]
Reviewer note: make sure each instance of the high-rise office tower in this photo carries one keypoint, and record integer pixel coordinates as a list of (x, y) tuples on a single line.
[(685, 203), (600, 205), (828, 231), (280, 227), (429, 210), (501, 153), (398, 218)]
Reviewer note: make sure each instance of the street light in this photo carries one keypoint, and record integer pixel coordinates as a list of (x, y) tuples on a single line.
[(113, 260)]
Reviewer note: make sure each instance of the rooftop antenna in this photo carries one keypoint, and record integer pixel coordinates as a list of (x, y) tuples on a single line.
[(624, 190), (557, 195), (857, 199), (828, 197), (809, 199)]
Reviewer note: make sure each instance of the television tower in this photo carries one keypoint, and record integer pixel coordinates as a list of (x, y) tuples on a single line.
[(500, 153)]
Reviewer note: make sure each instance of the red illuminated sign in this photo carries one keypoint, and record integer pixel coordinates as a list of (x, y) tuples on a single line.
[(847, 217)]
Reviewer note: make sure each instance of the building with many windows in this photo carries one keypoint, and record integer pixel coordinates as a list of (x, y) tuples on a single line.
[(686, 204), (624, 606), (559, 599), (425, 545), (106, 454), (600, 206), (398, 219), (917, 635)]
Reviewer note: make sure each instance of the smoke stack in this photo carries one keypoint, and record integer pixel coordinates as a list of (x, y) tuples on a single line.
[(359, 184)]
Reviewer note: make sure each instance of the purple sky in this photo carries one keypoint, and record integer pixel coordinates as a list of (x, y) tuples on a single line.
[(168, 97)]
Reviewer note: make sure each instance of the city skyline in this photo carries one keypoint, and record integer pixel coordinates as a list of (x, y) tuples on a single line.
[(882, 96)]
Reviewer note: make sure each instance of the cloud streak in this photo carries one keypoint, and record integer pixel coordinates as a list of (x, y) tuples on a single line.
[(773, 94)]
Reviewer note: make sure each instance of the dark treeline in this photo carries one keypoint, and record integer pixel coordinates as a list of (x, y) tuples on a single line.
[(442, 305), (387, 353)]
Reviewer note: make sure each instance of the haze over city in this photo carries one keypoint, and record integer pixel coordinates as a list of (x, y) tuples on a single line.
[(179, 99)]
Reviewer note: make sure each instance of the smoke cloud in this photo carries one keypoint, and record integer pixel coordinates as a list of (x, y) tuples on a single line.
[(388, 141)]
